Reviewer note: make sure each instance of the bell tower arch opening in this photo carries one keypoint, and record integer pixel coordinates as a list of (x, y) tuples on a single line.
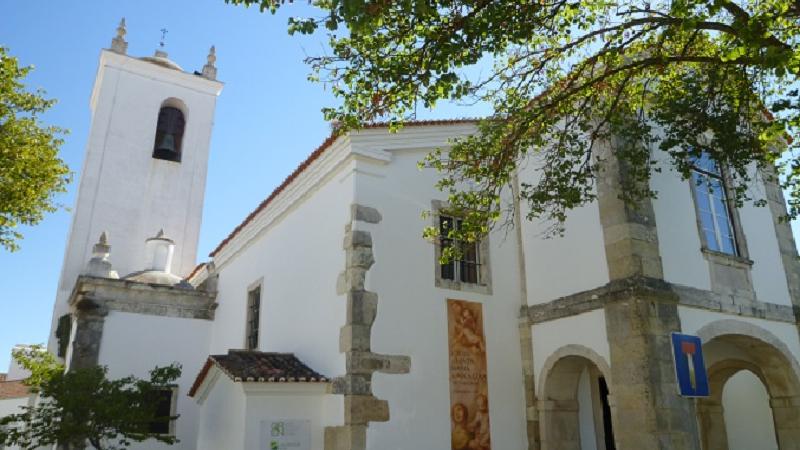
[(170, 127)]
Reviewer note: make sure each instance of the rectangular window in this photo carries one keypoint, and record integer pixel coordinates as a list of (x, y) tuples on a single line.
[(253, 313), (164, 400), (714, 215), (466, 269)]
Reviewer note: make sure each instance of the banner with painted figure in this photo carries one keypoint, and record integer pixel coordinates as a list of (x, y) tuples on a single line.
[(469, 389)]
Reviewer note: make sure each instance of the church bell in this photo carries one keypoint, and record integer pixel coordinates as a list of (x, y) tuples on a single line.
[(167, 144)]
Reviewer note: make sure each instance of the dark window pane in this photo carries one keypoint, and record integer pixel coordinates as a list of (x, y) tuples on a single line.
[(163, 401), (253, 316), (63, 332), (448, 271)]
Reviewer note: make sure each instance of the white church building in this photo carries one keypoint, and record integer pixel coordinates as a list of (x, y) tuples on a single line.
[(324, 321)]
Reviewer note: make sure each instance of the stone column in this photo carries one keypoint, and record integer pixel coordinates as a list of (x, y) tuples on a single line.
[(786, 413), (711, 417), (560, 425), (650, 413), (640, 316), (89, 322)]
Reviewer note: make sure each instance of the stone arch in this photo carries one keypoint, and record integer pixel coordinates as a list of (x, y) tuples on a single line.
[(175, 102), (732, 346), (558, 395), (573, 350)]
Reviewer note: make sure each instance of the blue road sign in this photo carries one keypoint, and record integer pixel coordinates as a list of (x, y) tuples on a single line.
[(687, 351)]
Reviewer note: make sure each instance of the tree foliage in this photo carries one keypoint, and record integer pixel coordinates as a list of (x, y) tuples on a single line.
[(83, 405), (671, 78), (30, 169)]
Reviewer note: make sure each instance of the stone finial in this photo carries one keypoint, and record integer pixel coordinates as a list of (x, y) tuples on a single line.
[(160, 234), (210, 70), (99, 265), (118, 44), (101, 248)]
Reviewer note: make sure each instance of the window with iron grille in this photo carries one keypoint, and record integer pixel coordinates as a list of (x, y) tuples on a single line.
[(164, 401), (466, 268), (253, 313), (713, 210)]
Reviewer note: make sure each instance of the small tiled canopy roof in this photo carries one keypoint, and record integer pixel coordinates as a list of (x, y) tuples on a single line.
[(13, 389), (265, 367)]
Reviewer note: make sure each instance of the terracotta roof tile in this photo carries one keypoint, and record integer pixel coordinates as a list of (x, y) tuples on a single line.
[(265, 367), (195, 270), (316, 154), (13, 389)]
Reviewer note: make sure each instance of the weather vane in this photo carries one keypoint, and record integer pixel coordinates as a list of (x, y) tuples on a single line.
[(163, 36)]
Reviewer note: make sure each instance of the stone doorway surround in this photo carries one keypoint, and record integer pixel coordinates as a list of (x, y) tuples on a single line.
[(558, 397)]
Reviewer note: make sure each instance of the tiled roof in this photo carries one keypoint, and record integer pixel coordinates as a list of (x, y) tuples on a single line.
[(251, 365), (195, 270), (13, 389), (316, 154)]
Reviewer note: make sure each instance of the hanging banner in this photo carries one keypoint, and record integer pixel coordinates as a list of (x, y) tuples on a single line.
[(469, 390)]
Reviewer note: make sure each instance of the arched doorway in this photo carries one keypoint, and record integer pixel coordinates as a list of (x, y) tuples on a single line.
[(736, 347), (575, 404), (748, 415)]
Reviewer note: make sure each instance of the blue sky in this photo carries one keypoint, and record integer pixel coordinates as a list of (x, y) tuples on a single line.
[(268, 117)]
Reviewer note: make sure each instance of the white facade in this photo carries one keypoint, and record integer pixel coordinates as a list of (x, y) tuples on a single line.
[(574, 326)]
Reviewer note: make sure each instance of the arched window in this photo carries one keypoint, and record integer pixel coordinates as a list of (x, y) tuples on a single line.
[(169, 134)]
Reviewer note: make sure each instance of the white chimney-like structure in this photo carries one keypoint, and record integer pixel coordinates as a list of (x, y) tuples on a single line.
[(159, 251)]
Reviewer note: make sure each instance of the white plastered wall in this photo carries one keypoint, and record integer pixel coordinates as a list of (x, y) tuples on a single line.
[(679, 239), (287, 401), (557, 266), (587, 329), (222, 415), (134, 344), (412, 315), (297, 258)]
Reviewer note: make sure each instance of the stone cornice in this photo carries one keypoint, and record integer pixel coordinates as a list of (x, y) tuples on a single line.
[(593, 299), (131, 64), (106, 294)]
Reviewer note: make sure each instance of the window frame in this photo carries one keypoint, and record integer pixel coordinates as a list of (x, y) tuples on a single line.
[(248, 332), (737, 233), (484, 274), (173, 408)]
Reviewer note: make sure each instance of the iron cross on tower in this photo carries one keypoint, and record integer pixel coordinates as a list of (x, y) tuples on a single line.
[(163, 36)]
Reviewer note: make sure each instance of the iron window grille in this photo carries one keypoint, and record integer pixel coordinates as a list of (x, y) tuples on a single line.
[(253, 313), (466, 268)]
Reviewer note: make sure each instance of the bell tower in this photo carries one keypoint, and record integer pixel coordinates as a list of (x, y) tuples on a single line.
[(145, 164)]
